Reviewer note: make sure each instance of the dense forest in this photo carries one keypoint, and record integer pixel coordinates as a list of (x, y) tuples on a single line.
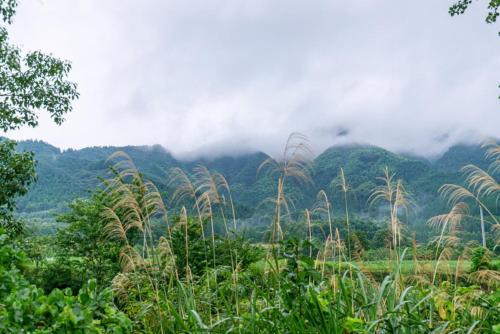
[(132, 240), (63, 176)]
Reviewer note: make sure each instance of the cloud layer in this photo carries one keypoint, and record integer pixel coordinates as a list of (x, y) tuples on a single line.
[(227, 76)]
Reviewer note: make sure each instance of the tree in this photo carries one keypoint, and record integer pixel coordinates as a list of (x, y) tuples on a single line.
[(28, 83), (461, 6), (17, 172), (84, 238), (27, 309)]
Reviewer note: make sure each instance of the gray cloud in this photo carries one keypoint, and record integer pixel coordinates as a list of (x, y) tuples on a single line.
[(224, 76)]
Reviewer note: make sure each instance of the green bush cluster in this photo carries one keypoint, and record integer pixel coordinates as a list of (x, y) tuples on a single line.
[(26, 308)]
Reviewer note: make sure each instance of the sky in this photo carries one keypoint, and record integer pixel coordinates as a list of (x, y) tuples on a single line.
[(224, 77)]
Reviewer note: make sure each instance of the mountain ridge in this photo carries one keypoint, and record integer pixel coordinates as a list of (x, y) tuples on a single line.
[(64, 175)]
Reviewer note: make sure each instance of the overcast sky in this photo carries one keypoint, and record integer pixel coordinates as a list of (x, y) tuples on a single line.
[(226, 76)]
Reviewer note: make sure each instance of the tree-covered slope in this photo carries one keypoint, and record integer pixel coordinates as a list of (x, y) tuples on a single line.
[(63, 176), (460, 155), (362, 166), (66, 175)]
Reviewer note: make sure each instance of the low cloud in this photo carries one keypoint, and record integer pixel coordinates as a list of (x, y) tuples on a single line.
[(217, 77)]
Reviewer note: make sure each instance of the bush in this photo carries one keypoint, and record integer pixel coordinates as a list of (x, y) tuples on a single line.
[(27, 309), (60, 274), (200, 251), (480, 259)]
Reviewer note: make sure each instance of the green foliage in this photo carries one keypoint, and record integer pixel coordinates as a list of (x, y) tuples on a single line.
[(199, 247), (17, 172), (30, 82), (27, 309), (197, 276), (79, 250), (83, 238), (191, 274), (461, 6), (481, 259), (65, 176), (60, 273), (8, 9)]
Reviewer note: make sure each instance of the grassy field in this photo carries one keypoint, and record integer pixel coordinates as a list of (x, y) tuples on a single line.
[(384, 267)]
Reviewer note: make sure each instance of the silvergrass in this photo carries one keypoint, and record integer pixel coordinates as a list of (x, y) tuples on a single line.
[(289, 294)]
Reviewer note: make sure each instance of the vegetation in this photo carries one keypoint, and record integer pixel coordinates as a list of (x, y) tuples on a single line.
[(27, 309), (29, 82), (461, 6), (327, 245), (193, 271), (17, 172), (65, 176)]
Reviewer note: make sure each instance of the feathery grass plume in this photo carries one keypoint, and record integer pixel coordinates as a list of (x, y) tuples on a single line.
[(448, 225), (397, 198), (488, 277), (451, 220), (395, 195), (480, 182), (210, 187), (456, 194), (208, 191), (295, 161), (206, 184), (206, 212), (222, 183), (296, 297), (345, 189), (493, 155), (295, 164), (327, 253), (133, 203), (121, 283), (322, 205), (208, 196), (184, 189), (341, 182), (130, 259), (134, 200), (183, 222), (479, 185), (166, 254), (281, 205), (339, 248)]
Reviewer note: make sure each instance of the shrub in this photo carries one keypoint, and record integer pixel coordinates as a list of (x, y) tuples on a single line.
[(27, 309)]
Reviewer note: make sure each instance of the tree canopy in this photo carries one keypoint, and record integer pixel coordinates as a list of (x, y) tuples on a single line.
[(29, 82)]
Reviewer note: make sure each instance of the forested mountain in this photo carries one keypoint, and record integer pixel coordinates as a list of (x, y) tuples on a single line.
[(66, 175)]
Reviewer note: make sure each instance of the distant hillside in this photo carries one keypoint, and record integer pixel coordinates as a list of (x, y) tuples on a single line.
[(460, 155), (66, 175)]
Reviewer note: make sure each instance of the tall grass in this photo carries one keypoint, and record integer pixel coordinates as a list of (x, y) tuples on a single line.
[(303, 286)]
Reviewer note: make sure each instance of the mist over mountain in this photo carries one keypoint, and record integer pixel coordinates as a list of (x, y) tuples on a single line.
[(227, 77), (70, 174)]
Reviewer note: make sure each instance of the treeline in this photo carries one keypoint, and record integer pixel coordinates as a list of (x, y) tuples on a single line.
[(65, 176)]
